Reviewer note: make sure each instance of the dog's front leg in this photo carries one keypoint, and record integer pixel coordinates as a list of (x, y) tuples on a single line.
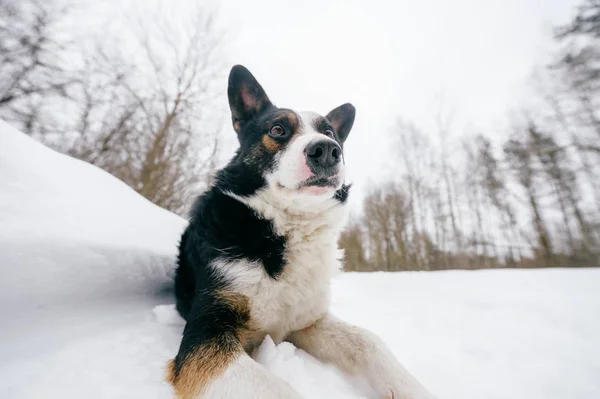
[(212, 363), (359, 352), (241, 378)]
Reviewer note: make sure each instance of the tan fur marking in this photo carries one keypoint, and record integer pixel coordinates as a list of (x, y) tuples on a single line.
[(241, 305), (238, 302), (201, 368), (270, 144), (293, 120), (171, 372)]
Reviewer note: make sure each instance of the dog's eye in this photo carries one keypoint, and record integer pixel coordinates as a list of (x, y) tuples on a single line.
[(277, 131), (329, 133)]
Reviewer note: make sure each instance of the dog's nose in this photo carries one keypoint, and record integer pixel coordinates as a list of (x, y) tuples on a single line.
[(325, 153)]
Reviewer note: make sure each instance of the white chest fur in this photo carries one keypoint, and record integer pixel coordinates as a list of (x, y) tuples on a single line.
[(300, 295)]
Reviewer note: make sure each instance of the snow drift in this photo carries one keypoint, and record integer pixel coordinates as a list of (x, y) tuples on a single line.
[(86, 307)]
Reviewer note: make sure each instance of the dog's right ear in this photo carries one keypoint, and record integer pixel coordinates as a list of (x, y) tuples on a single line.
[(246, 97)]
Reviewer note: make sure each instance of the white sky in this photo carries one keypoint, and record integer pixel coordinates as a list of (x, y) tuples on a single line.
[(392, 59)]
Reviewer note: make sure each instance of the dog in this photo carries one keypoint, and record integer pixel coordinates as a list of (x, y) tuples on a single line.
[(258, 254)]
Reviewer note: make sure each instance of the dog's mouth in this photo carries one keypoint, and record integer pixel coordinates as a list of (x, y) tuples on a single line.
[(320, 184), (321, 181), (316, 185)]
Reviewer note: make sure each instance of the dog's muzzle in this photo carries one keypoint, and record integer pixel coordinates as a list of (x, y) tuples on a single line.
[(323, 158)]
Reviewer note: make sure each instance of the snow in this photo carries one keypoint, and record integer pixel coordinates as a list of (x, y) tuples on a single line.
[(86, 308)]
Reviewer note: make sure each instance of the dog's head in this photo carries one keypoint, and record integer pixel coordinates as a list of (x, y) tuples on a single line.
[(295, 154)]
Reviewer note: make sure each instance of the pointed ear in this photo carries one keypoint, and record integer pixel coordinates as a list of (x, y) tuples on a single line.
[(246, 97), (342, 119)]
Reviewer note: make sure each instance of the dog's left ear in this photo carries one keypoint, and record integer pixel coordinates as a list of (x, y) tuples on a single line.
[(342, 119), (247, 98)]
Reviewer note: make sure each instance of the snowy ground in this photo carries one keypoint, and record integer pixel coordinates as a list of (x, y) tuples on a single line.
[(85, 268)]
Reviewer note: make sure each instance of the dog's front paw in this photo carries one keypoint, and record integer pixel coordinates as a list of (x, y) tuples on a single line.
[(407, 391), (391, 394)]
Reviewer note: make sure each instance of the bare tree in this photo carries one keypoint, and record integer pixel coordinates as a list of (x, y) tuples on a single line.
[(31, 58), (586, 21), (521, 159), (184, 89), (142, 109), (449, 183), (579, 62), (416, 154), (493, 181), (352, 242), (481, 240)]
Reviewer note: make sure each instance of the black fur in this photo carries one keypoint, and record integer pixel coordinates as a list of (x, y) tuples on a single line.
[(222, 227), (342, 119), (342, 194), (246, 97)]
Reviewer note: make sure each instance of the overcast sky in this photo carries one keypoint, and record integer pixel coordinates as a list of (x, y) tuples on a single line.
[(393, 59)]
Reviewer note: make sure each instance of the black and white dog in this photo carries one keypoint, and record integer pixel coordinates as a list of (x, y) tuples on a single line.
[(258, 255)]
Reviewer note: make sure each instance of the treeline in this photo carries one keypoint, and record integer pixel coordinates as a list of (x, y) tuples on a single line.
[(132, 94), (532, 200)]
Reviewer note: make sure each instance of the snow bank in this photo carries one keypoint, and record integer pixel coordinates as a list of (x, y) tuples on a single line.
[(66, 223), (86, 263)]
